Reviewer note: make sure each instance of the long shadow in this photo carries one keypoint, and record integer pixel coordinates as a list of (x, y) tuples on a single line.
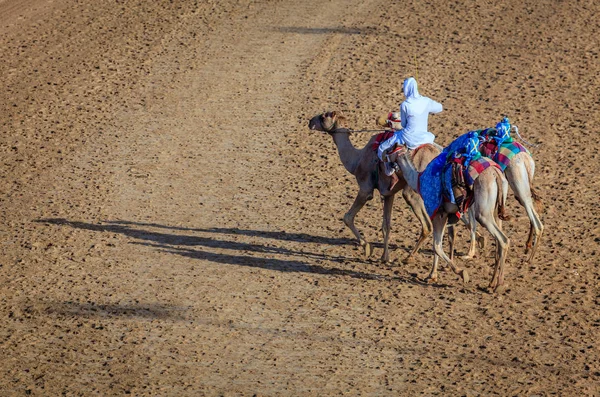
[(277, 235), (264, 263), (89, 310), (306, 30), (171, 244), (175, 239), (485, 42)]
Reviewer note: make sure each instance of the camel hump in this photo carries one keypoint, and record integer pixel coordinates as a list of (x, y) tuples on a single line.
[(423, 154)]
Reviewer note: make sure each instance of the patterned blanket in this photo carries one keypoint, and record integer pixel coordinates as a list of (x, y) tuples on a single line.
[(476, 167), (431, 180), (471, 173), (435, 183), (430, 184), (507, 151), (502, 155), (381, 137)]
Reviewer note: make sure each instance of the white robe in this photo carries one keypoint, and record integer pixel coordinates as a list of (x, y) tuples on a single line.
[(414, 114)]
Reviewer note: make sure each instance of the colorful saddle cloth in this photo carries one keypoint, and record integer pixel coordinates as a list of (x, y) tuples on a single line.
[(380, 138), (435, 182), (431, 180), (503, 154), (476, 167), (470, 173)]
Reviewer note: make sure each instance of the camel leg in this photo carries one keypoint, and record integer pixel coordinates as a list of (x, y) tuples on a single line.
[(476, 239), (451, 240), (359, 202), (519, 181), (536, 228), (418, 208), (502, 243), (471, 223), (529, 242), (388, 204), (433, 274), (439, 226)]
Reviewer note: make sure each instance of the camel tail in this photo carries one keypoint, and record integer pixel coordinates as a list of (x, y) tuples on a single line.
[(502, 194), (538, 203)]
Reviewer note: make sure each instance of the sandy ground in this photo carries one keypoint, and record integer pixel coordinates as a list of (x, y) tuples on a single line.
[(170, 227)]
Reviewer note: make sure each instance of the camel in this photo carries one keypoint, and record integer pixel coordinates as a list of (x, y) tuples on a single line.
[(364, 165), (489, 195), (519, 174)]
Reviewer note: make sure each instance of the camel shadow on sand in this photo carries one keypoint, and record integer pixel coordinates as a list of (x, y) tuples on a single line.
[(324, 30), (205, 248), (149, 311), (276, 235)]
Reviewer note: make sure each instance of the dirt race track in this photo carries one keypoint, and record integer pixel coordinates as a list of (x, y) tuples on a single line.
[(170, 226)]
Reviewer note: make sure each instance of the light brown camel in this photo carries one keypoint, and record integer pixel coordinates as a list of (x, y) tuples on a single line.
[(489, 195), (364, 165), (519, 174)]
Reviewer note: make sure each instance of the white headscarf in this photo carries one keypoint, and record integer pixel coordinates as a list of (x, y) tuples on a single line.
[(410, 89)]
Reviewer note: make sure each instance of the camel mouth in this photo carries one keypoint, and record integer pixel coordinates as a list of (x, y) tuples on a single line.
[(314, 124), (321, 124)]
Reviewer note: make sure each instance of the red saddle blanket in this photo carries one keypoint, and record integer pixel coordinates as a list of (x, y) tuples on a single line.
[(382, 136)]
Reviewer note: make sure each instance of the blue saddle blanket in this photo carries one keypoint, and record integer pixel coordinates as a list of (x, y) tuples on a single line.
[(435, 181)]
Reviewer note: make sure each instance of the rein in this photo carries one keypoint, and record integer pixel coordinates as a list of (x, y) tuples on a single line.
[(523, 139), (367, 130)]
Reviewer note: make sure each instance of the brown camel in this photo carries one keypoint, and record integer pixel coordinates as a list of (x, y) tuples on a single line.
[(489, 195), (364, 165)]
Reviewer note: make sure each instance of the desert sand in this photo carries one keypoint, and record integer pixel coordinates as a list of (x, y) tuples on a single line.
[(171, 227)]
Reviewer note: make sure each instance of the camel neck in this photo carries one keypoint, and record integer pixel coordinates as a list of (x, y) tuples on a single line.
[(348, 153), (409, 171)]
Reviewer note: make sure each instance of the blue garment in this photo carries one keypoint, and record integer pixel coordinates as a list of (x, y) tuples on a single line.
[(435, 180), (502, 131), (430, 184), (389, 143)]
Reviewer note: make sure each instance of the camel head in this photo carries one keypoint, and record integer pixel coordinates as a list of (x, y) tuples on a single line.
[(327, 122)]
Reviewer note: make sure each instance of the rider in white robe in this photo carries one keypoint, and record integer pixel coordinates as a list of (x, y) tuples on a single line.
[(414, 114)]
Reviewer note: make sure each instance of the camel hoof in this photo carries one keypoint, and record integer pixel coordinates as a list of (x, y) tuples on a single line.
[(467, 257), (465, 276), (408, 259), (496, 289), (431, 279), (385, 260), (368, 250), (529, 257)]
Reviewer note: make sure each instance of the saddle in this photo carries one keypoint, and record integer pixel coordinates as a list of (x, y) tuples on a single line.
[(381, 137), (391, 157), (460, 192)]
